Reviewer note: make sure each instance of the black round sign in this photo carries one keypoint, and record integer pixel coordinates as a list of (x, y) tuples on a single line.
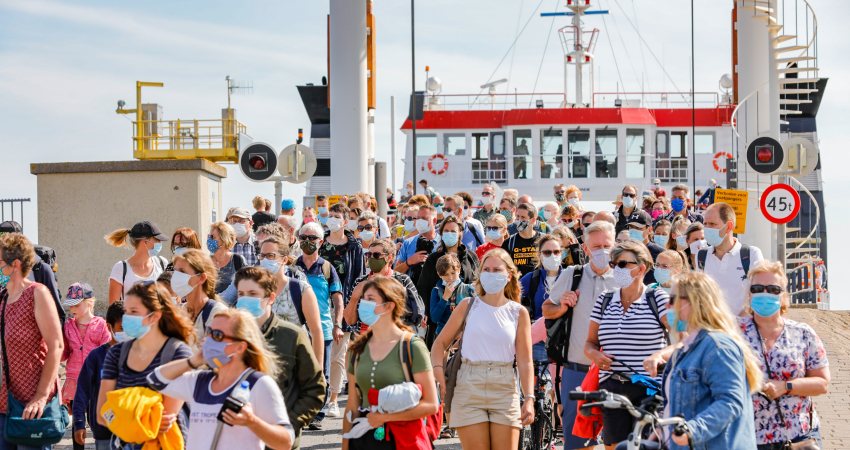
[(765, 155), (258, 162)]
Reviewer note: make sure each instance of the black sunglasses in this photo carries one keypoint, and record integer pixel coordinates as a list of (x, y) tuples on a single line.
[(770, 288), (218, 335), (630, 195), (587, 224), (622, 264), (493, 228), (375, 255), (410, 218), (309, 238), (548, 253), (365, 227), (675, 298)]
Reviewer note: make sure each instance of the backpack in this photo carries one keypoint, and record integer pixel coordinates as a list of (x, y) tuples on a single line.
[(702, 255), (650, 300), (478, 239), (48, 255), (168, 351), (558, 330), (414, 308), (434, 422), (206, 311), (238, 262)]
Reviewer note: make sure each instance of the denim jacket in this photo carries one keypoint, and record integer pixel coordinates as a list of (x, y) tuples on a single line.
[(706, 383)]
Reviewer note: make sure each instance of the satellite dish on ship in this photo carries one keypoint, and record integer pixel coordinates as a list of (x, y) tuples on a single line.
[(491, 86)]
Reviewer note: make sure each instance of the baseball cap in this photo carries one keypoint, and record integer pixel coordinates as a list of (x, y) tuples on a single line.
[(146, 229), (10, 226), (287, 204), (238, 212), (639, 218), (77, 292)]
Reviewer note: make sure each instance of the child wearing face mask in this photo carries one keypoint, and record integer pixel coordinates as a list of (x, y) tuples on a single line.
[(88, 384), (83, 333), (449, 290)]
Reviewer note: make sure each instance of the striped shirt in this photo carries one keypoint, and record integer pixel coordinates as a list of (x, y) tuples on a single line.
[(127, 377), (631, 336)]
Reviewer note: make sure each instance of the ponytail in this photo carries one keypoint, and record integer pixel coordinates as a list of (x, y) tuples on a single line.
[(118, 238)]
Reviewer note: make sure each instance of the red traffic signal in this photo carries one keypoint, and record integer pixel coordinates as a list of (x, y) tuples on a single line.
[(257, 162), (764, 154)]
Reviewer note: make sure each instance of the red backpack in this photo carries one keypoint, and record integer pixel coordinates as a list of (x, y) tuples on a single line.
[(589, 426)]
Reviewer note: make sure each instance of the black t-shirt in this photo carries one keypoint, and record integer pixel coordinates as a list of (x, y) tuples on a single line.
[(261, 218), (522, 251)]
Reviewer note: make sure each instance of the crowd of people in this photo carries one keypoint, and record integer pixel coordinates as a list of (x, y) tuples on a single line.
[(251, 336)]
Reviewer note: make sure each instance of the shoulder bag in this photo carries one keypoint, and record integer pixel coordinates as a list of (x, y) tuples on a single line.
[(451, 367)]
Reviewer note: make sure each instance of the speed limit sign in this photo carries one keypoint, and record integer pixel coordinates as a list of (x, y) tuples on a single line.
[(780, 203)]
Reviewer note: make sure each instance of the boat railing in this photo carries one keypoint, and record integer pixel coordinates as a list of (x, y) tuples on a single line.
[(548, 100), (656, 99)]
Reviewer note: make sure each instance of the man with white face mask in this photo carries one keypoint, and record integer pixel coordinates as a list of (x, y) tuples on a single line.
[(596, 277), (243, 225), (488, 204), (726, 260)]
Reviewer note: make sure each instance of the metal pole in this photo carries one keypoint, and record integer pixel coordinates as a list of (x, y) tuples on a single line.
[(381, 188), (693, 113), (392, 144), (278, 195), (413, 88)]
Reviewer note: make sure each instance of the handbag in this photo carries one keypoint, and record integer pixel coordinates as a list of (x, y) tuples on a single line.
[(588, 426), (451, 366), (47, 430), (805, 444), (434, 421)]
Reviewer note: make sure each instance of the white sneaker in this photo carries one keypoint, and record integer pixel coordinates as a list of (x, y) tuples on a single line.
[(332, 410)]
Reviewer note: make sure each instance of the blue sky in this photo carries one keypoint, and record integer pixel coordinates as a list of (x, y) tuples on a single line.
[(64, 64)]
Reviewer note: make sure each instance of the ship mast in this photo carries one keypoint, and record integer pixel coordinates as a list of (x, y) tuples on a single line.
[(578, 45)]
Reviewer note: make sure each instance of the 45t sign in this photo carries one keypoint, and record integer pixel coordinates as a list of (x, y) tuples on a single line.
[(780, 203)]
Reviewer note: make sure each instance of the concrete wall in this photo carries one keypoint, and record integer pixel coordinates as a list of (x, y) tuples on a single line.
[(80, 203)]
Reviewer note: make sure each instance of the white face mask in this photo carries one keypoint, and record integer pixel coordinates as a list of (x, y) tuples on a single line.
[(623, 277), (180, 283), (551, 262), (351, 225), (334, 224), (493, 282), (240, 229), (697, 246), (422, 226)]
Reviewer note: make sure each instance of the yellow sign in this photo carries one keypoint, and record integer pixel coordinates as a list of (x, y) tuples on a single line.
[(738, 201)]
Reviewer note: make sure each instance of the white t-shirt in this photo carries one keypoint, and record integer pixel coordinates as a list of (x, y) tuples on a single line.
[(490, 332), (729, 274), (266, 400), (132, 278), (200, 325)]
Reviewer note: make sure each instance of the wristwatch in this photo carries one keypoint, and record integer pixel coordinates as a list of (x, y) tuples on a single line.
[(788, 386)]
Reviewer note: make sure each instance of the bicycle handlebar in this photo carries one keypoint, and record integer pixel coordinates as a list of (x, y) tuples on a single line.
[(592, 396)]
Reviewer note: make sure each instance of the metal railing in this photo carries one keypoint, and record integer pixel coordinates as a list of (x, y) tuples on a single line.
[(215, 139), (12, 202), (657, 99)]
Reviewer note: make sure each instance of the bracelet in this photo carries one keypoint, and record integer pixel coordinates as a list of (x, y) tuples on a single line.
[(189, 363)]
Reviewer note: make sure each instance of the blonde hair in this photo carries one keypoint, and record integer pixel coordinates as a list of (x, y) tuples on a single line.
[(258, 355), (201, 263), (680, 261), (259, 203), (573, 189), (121, 238), (512, 289), (771, 267), (710, 312), (225, 234)]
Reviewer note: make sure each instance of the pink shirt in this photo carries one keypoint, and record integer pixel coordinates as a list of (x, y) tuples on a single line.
[(77, 347)]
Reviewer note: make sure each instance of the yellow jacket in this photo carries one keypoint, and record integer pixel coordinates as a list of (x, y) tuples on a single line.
[(134, 415)]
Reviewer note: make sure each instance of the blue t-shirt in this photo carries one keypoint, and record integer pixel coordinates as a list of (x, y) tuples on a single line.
[(408, 248), (323, 288), (542, 293)]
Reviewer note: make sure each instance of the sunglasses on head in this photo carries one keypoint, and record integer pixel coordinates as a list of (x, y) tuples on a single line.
[(548, 253), (309, 238), (622, 264), (770, 288), (364, 227), (218, 335), (375, 255)]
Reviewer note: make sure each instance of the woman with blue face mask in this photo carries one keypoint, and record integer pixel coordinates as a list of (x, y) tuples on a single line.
[(711, 375), (374, 363), (159, 333), (144, 265), (792, 358), (234, 362), (450, 232), (193, 280), (220, 243)]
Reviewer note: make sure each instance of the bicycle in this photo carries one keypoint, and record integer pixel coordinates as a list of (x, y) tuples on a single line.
[(540, 435), (646, 415)]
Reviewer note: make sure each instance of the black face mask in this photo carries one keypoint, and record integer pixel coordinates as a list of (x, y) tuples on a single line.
[(308, 247)]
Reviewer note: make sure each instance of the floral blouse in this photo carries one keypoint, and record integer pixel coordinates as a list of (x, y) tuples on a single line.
[(797, 349)]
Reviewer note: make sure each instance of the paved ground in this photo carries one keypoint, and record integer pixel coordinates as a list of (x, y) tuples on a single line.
[(834, 409)]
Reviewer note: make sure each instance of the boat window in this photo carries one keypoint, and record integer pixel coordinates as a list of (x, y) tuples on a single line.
[(578, 152), (454, 144), (635, 154), (551, 153), (480, 146), (606, 153), (426, 144), (522, 154), (704, 143), (678, 144)]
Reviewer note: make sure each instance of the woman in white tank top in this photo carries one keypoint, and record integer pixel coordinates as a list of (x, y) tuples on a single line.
[(485, 409)]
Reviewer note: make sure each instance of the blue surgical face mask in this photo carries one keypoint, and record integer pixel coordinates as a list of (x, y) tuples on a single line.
[(438, 209), (765, 304), (661, 239), (677, 204), (212, 244), (712, 236), (214, 353), (121, 336), (662, 276), (409, 226), (682, 241), (494, 235), (450, 238), (251, 304), (323, 209), (366, 311), (367, 236), (133, 326), (636, 235), (673, 321), (155, 250), (628, 202), (270, 265)]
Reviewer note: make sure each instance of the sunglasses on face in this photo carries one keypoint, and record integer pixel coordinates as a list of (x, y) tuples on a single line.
[(629, 195), (548, 253), (561, 192), (675, 298), (218, 335), (410, 218), (587, 224), (770, 288), (365, 227), (375, 255), (309, 238), (493, 228), (622, 264)]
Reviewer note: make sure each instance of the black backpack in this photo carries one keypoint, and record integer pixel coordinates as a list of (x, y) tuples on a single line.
[(48, 255), (702, 255), (558, 330)]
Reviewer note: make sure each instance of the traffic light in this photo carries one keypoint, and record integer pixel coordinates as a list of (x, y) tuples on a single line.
[(258, 162)]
